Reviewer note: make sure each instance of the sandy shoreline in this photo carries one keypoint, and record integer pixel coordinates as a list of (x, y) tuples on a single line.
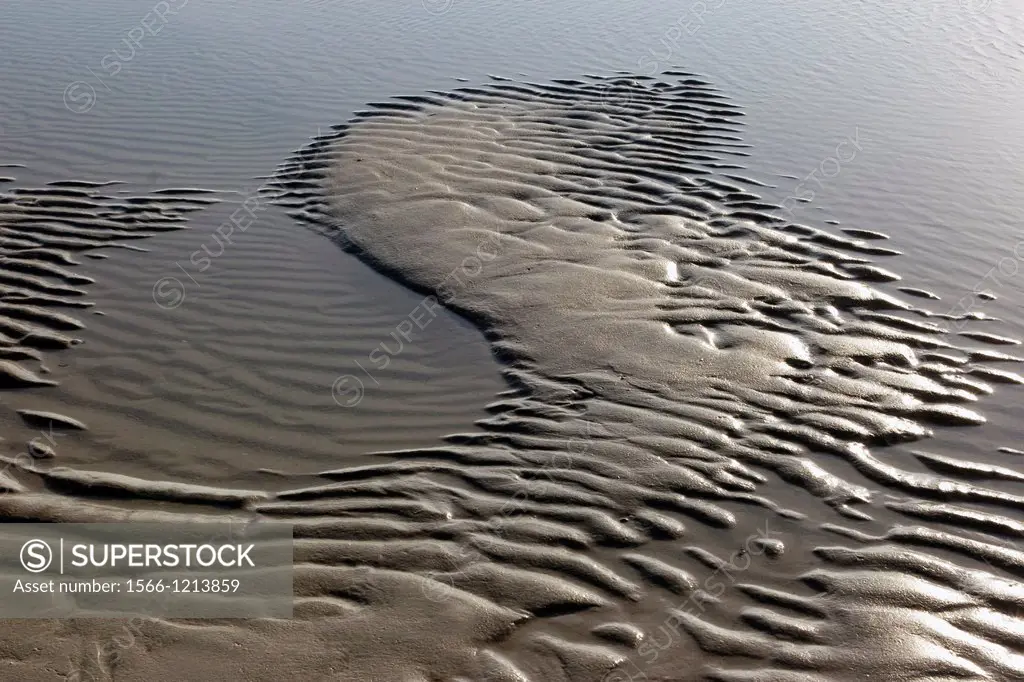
[(703, 454)]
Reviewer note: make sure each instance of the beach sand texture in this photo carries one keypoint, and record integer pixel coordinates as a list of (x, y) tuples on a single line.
[(712, 460)]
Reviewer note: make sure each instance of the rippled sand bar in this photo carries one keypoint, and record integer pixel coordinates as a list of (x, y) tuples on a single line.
[(717, 456)]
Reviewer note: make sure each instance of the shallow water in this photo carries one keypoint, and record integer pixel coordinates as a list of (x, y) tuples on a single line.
[(903, 112)]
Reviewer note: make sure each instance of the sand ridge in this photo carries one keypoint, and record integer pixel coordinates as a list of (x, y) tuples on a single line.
[(716, 351), (698, 470)]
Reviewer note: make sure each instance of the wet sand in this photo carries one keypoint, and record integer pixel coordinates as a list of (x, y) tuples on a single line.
[(720, 365), (728, 447)]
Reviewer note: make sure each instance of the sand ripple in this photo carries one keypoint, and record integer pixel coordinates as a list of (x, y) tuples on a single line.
[(41, 231), (699, 470), (683, 359)]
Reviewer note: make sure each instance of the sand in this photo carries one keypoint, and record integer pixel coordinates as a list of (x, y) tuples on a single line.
[(710, 462)]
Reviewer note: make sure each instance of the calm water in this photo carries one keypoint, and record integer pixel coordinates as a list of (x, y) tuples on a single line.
[(224, 90)]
